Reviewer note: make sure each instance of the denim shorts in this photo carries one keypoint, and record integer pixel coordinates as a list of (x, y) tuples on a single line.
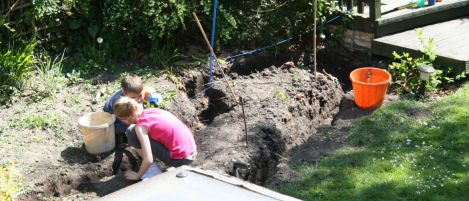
[(159, 151)]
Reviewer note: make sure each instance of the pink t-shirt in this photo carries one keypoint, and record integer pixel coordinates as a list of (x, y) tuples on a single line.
[(167, 129)]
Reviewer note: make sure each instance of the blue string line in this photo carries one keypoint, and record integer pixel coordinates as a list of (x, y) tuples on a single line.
[(288, 39), (213, 37)]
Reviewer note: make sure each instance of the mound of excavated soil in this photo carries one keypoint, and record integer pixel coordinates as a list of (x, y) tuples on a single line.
[(283, 107)]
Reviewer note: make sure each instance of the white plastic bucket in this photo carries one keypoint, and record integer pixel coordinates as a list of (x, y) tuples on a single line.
[(97, 129)]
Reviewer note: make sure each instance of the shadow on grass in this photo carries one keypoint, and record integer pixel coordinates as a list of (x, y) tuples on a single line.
[(393, 156)]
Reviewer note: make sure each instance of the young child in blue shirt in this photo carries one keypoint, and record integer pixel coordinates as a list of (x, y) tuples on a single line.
[(132, 87)]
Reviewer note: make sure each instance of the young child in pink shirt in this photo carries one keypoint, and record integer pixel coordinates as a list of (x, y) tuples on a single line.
[(157, 134)]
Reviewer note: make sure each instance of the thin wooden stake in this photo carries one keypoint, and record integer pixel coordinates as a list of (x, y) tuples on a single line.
[(214, 56), (244, 116), (314, 38)]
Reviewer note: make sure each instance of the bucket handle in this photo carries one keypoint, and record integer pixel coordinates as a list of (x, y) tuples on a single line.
[(106, 135), (369, 75), (85, 137)]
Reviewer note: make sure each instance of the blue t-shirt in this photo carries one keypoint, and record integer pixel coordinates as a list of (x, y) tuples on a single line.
[(109, 107)]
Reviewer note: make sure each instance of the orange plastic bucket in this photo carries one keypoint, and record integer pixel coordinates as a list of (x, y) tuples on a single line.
[(369, 86)]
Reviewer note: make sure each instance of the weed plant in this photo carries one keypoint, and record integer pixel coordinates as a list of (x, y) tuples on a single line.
[(50, 71), (53, 121)]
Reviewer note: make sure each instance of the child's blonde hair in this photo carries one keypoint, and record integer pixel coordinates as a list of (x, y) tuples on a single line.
[(132, 83), (125, 107)]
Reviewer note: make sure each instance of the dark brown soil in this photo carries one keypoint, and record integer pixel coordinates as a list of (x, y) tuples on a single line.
[(282, 107), (291, 115)]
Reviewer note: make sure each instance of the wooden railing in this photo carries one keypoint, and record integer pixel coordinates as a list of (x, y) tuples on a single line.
[(374, 6)]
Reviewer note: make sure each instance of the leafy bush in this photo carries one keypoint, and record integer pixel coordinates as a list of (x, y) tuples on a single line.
[(406, 77), (405, 74), (135, 28), (163, 56), (9, 182), (15, 66)]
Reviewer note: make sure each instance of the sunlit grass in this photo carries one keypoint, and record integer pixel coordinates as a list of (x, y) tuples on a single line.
[(394, 155), (51, 120)]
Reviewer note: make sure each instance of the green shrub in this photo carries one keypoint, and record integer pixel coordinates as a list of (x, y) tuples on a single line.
[(164, 56), (406, 77), (15, 66), (136, 28), (405, 74)]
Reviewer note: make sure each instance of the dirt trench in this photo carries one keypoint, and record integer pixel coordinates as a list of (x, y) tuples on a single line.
[(84, 175), (284, 107)]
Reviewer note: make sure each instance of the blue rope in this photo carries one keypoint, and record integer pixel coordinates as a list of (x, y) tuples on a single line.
[(213, 37), (288, 39)]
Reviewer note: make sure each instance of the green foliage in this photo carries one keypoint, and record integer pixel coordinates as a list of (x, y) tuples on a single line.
[(155, 19), (405, 74), (50, 73), (450, 75), (270, 21), (140, 26), (164, 56), (15, 66), (92, 58), (48, 8), (73, 77), (10, 182)]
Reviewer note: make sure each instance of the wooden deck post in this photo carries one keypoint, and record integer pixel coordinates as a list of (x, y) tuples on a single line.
[(360, 6), (375, 9)]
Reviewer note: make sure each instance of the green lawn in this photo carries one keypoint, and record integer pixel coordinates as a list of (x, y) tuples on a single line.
[(392, 155)]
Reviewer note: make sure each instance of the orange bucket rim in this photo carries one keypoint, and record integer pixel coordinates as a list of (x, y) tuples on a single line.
[(372, 84)]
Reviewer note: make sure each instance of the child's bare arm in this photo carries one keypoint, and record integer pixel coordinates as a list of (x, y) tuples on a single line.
[(147, 156)]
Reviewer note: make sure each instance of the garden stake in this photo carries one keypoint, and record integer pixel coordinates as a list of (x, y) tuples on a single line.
[(244, 116), (214, 55), (314, 38)]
